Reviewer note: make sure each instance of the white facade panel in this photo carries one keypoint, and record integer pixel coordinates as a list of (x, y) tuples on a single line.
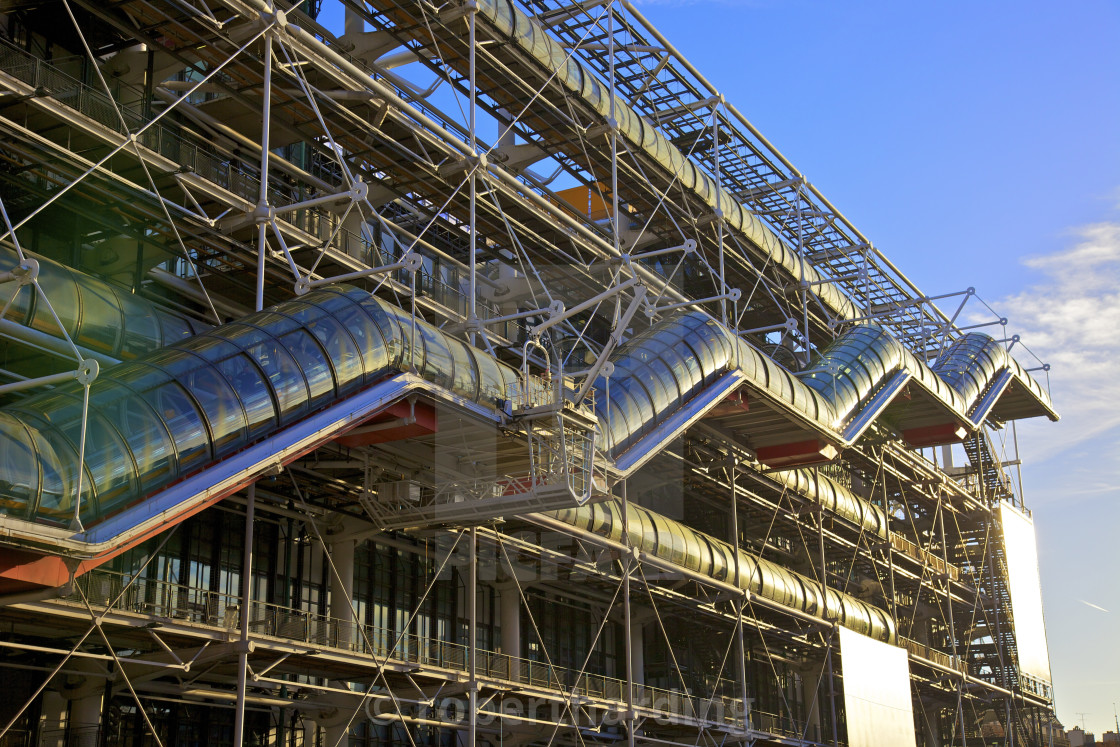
[(879, 710)]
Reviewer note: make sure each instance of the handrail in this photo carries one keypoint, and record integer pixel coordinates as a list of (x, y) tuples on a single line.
[(164, 599)]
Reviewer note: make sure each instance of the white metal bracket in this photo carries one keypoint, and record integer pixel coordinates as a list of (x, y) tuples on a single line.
[(410, 262)]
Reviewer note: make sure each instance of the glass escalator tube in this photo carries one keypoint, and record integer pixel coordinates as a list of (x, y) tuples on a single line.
[(849, 369), (968, 365), (96, 315), (175, 411)]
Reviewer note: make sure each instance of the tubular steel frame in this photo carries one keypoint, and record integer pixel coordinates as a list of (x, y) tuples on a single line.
[(419, 174)]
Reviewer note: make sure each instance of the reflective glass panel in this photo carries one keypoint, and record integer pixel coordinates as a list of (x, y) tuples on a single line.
[(101, 318), (228, 424), (341, 350), (466, 373), (311, 358), (491, 382), (192, 439), (438, 366), (19, 468), (395, 339), (57, 481), (141, 331), (368, 337), (59, 287), (145, 434), (108, 463), (172, 328), (286, 378), (253, 391)]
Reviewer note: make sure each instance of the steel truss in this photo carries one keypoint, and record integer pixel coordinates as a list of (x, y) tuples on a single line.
[(245, 155)]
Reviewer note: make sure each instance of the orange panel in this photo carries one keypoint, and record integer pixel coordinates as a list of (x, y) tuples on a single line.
[(935, 435), (797, 454)]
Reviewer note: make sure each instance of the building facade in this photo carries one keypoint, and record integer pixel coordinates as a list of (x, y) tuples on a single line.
[(475, 375)]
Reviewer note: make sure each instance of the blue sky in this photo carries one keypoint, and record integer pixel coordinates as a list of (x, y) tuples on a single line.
[(977, 144)]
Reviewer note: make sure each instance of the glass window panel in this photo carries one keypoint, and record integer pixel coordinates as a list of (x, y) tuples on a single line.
[(397, 326), (336, 300), (172, 328), (639, 412), (139, 377), (491, 382), (58, 478), (652, 346), (438, 365), (146, 436), (273, 323), (57, 408), (632, 412), (244, 335), (618, 429), (702, 353), (251, 388), (209, 346), (302, 312), (369, 338), (228, 423), (466, 372), (686, 378), (19, 468), (192, 439), (341, 350), (511, 376), (286, 377), (60, 288), (108, 463), (141, 331), (658, 393), (198, 327), (101, 317), (311, 358), (18, 309)]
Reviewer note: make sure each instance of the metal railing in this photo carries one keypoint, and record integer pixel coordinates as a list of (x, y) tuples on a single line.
[(915, 551), (163, 599), (931, 654), (196, 156)]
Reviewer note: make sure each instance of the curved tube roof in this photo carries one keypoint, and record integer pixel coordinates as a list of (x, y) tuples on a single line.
[(862, 375), (98, 316), (159, 418)]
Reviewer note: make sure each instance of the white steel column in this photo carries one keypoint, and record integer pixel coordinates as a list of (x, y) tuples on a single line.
[(723, 289), (740, 643), (511, 620), (246, 600), (627, 620), (472, 650), (342, 590), (52, 720), (832, 637), (472, 259), (638, 649), (85, 719), (262, 212)]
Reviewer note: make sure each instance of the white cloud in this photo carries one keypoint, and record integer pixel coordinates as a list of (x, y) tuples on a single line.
[(1071, 319)]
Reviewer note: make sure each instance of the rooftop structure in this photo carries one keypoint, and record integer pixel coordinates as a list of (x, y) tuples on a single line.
[(326, 420)]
